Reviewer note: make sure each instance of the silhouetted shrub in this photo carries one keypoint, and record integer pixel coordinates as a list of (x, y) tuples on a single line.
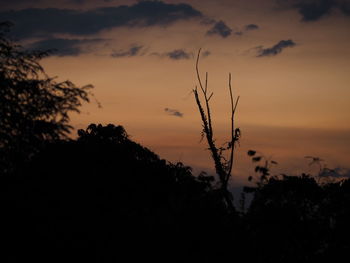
[(101, 195), (294, 219)]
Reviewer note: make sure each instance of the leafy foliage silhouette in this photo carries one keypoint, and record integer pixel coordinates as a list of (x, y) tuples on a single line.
[(108, 196), (301, 217), (103, 196), (301, 220), (33, 106)]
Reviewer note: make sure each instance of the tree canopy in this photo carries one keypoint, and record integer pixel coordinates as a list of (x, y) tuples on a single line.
[(33, 106), (108, 196)]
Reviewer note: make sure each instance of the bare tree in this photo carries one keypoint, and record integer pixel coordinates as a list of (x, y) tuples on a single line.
[(223, 165)]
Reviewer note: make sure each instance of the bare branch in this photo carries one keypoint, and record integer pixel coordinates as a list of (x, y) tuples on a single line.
[(214, 151), (201, 111), (204, 91), (234, 109), (233, 135), (206, 82), (197, 70), (223, 166)]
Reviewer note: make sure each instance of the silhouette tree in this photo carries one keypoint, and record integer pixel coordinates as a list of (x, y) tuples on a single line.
[(223, 165), (33, 106), (301, 217), (103, 196)]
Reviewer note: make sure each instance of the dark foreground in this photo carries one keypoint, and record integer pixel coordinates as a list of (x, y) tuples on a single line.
[(105, 198)]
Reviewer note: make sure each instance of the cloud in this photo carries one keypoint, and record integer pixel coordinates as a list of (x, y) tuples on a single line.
[(63, 47), (6, 4), (34, 22), (276, 49), (313, 10), (16, 4), (251, 27), (173, 112), (336, 173), (178, 54), (221, 29), (133, 51), (345, 7), (206, 54)]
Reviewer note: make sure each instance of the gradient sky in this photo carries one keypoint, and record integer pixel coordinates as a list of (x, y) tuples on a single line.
[(290, 62)]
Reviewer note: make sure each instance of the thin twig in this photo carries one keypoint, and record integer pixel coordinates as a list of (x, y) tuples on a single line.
[(204, 91), (206, 82), (197, 70), (233, 135)]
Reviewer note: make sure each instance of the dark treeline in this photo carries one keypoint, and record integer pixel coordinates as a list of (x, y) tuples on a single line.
[(104, 198)]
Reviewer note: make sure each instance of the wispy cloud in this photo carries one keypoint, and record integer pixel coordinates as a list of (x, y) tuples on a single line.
[(173, 112), (180, 54), (206, 53), (251, 27), (276, 49), (133, 51), (336, 173), (221, 29), (62, 46)]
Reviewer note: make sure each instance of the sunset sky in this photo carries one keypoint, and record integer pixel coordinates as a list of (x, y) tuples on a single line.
[(290, 62)]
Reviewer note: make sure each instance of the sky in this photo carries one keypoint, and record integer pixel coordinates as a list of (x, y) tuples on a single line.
[(289, 60)]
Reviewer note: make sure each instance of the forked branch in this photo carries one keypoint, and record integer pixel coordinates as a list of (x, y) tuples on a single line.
[(223, 166)]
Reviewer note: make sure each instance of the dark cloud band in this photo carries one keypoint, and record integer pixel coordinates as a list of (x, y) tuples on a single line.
[(35, 22), (63, 47)]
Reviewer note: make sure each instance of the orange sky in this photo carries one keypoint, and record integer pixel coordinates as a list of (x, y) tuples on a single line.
[(293, 104)]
